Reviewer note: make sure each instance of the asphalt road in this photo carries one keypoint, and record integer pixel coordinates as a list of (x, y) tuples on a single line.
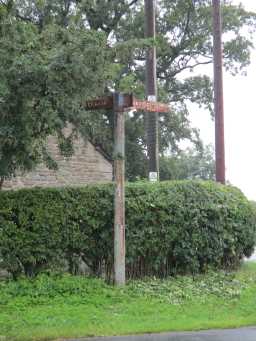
[(243, 334)]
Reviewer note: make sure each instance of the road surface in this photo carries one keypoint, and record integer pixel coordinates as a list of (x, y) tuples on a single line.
[(243, 334)]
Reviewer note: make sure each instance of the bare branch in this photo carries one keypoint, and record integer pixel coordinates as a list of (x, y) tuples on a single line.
[(190, 67), (132, 3), (18, 16)]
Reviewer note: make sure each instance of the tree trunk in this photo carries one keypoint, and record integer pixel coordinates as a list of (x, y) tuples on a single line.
[(1, 183)]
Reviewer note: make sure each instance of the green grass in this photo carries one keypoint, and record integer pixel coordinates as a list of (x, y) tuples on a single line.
[(55, 307)]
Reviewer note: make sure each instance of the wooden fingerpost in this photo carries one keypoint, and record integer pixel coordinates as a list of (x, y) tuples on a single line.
[(119, 220), (120, 103)]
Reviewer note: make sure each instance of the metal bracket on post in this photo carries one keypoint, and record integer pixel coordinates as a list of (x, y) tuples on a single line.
[(119, 224)]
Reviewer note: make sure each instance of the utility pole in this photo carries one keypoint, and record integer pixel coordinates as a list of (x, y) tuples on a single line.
[(151, 92), (218, 93), (119, 171)]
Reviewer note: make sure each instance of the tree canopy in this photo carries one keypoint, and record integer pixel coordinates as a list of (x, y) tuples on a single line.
[(189, 164), (44, 80), (57, 53)]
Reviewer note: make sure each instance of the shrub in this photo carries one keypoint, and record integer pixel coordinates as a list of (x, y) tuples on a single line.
[(171, 227)]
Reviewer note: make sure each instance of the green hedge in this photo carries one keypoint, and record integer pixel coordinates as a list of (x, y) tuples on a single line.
[(172, 227)]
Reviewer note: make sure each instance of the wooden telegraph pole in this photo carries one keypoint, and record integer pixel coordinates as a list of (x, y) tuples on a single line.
[(151, 92), (120, 103), (218, 93)]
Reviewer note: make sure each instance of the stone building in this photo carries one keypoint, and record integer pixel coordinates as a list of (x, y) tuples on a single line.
[(87, 165)]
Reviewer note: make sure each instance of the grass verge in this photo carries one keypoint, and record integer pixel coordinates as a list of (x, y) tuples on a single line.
[(52, 307)]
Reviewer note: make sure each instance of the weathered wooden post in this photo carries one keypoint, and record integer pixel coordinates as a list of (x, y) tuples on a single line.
[(119, 172)]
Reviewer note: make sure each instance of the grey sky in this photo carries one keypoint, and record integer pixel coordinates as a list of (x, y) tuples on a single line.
[(240, 124)]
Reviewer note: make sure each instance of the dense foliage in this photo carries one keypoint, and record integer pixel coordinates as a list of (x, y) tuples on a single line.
[(62, 307), (188, 164), (44, 81), (55, 286), (172, 227), (56, 53)]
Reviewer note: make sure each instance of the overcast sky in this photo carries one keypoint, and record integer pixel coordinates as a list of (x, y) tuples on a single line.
[(240, 124)]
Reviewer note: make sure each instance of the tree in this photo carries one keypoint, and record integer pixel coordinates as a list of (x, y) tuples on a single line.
[(45, 78), (189, 164), (184, 43), (74, 49)]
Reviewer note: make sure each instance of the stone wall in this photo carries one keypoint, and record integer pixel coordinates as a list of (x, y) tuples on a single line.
[(87, 165)]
